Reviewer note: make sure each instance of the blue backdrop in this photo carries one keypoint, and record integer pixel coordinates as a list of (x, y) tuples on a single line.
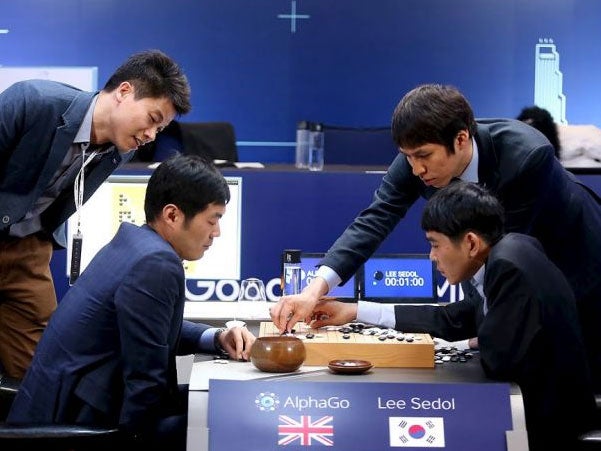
[(344, 63), (307, 211), (340, 62)]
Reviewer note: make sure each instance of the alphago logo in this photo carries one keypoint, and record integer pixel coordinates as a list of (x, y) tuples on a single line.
[(267, 402), (225, 290)]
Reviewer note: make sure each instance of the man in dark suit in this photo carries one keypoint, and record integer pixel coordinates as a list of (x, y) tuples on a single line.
[(47, 131), (108, 354), (526, 320), (439, 140)]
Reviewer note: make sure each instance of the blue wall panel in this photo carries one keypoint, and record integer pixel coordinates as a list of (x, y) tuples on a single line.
[(342, 63)]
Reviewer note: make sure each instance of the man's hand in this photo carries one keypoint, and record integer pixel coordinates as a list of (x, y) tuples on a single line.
[(237, 342), (473, 343), (332, 313), (299, 307)]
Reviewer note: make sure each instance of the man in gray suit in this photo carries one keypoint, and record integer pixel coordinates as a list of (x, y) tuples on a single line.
[(48, 133), (440, 140)]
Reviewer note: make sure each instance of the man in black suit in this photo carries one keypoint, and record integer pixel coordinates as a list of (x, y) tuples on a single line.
[(526, 319), (439, 140)]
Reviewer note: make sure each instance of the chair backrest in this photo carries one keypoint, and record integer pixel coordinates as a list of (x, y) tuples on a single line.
[(8, 390), (167, 143), (216, 140), (50, 437), (368, 146)]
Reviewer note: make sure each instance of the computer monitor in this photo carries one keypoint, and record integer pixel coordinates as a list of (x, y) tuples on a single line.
[(346, 292), (121, 199), (398, 278)]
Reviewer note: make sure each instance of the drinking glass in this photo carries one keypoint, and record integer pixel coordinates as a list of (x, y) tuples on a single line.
[(252, 300)]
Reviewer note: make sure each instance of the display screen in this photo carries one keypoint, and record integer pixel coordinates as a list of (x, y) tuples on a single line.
[(401, 278), (308, 270), (121, 199)]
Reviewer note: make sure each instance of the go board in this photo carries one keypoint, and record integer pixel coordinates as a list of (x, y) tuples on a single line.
[(383, 347)]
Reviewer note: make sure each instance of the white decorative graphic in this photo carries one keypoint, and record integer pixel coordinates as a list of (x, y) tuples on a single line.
[(416, 432), (548, 81), (293, 16)]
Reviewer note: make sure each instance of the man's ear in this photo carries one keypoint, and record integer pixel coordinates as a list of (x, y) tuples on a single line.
[(171, 215), (123, 90), (474, 243), (462, 138)]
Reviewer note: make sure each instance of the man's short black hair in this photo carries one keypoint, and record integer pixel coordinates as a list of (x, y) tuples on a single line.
[(190, 182), (463, 207), (431, 114), (153, 74)]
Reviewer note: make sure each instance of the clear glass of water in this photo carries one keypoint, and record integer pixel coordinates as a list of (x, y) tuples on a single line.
[(316, 145), (252, 300)]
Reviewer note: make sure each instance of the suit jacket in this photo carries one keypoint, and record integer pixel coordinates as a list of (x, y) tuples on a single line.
[(540, 198), (111, 343), (39, 120), (518, 165), (530, 335)]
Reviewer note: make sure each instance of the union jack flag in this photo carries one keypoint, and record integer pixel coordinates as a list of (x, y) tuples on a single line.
[(305, 430)]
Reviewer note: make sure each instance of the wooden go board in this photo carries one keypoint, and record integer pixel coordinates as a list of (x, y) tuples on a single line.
[(414, 351)]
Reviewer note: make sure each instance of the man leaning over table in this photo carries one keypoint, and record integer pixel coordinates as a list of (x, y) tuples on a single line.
[(439, 140), (48, 132)]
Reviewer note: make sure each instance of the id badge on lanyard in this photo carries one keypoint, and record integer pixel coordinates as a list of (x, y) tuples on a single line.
[(77, 242)]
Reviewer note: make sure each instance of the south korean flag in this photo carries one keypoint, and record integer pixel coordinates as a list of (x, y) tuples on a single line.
[(417, 432)]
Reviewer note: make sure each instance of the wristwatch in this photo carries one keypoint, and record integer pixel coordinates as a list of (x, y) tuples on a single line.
[(217, 344)]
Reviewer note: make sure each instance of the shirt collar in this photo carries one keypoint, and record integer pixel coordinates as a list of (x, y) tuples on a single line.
[(470, 174), (85, 130), (478, 278)]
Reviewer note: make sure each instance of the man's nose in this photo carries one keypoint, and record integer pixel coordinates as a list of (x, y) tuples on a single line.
[(151, 134), (417, 168)]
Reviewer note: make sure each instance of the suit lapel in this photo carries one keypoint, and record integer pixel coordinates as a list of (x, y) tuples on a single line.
[(488, 161), (63, 138)]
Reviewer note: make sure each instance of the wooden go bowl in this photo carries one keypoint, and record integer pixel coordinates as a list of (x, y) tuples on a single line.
[(279, 354)]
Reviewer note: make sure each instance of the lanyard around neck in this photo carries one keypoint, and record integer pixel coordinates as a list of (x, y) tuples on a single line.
[(79, 185)]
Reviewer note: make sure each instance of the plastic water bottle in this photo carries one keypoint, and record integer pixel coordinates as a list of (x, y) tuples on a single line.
[(302, 145), (291, 272), (316, 149)]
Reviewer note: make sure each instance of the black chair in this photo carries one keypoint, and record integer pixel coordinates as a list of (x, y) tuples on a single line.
[(58, 437), (51, 437), (216, 140), (167, 143), (591, 440), (8, 390)]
